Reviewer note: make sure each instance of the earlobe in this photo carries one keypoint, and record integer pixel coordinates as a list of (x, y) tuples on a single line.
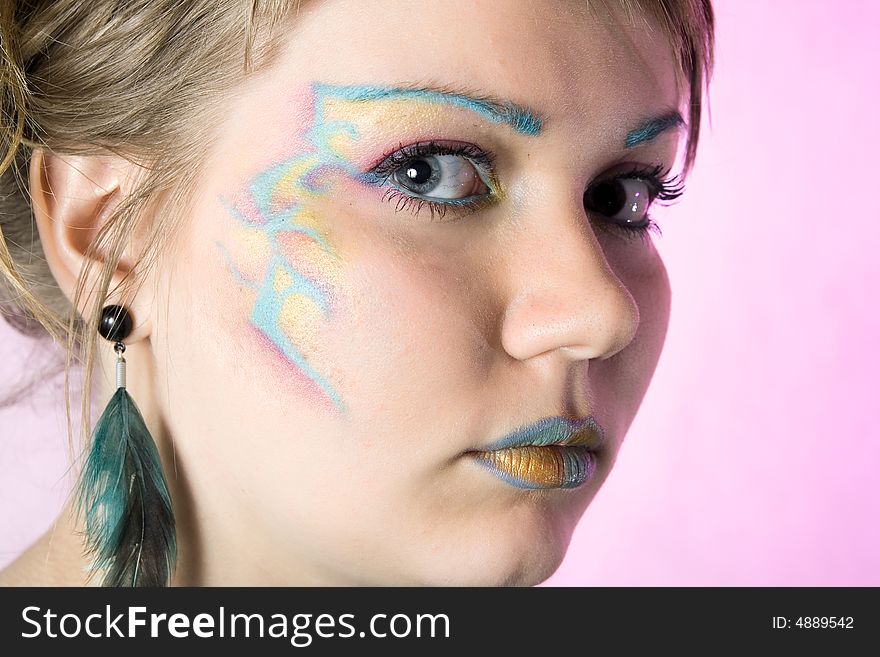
[(72, 197)]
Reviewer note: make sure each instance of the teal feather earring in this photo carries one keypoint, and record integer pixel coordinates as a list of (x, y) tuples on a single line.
[(122, 493)]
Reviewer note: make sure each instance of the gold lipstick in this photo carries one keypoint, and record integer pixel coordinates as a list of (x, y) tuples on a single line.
[(553, 452)]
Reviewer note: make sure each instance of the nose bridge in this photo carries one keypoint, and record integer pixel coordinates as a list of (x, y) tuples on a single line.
[(563, 294)]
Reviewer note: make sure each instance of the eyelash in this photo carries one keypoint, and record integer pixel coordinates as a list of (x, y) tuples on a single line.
[(664, 188)]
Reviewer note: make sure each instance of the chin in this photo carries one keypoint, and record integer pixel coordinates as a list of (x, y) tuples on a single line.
[(523, 549)]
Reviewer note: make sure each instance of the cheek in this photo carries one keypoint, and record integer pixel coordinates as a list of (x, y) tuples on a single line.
[(416, 330)]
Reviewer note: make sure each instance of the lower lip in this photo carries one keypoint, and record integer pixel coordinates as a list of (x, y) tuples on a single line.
[(531, 467)]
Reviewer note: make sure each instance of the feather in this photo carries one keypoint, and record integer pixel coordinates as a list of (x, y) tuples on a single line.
[(124, 498)]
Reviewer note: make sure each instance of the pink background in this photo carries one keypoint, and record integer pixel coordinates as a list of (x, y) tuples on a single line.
[(755, 457)]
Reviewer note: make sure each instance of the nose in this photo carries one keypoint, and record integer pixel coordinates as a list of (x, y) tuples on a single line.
[(563, 294)]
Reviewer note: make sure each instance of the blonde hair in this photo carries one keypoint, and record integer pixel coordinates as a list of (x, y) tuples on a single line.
[(131, 79)]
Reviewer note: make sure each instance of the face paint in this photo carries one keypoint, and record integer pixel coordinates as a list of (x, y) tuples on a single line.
[(296, 291), (653, 128), (521, 119), (296, 272)]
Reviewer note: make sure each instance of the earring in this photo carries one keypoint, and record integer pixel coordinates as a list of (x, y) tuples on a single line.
[(122, 493)]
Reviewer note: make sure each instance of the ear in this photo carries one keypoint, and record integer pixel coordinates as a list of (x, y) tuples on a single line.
[(72, 196)]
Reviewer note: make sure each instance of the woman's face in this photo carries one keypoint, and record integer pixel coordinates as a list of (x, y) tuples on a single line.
[(386, 273)]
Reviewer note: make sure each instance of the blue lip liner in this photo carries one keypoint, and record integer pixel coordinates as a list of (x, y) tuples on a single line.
[(545, 432)]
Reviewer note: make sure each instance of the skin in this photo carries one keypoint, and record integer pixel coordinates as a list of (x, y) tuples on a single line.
[(435, 337)]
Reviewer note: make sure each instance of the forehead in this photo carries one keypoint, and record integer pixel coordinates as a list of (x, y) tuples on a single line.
[(578, 67)]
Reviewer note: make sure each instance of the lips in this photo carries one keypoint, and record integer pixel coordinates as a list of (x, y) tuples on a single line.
[(554, 452)]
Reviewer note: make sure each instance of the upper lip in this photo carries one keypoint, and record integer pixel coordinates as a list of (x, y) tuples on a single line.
[(555, 430)]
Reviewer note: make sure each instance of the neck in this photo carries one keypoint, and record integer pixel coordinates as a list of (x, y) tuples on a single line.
[(55, 559)]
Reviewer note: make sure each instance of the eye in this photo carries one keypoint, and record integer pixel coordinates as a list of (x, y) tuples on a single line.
[(623, 200), (440, 177)]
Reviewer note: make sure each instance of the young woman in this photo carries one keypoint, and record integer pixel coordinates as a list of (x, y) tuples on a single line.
[(382, 274)]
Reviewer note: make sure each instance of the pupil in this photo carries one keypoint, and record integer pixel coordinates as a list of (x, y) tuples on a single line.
[(418, 172), (608, 198)]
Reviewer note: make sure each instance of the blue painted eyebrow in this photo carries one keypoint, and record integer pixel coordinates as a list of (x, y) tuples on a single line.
[(522, 119), (653, 127)]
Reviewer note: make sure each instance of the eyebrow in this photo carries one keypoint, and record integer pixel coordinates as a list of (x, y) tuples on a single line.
[(653, 127), (523, 120)]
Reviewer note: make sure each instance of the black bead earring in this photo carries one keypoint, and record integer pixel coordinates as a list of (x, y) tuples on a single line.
[(122, 494), (115, 323)]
